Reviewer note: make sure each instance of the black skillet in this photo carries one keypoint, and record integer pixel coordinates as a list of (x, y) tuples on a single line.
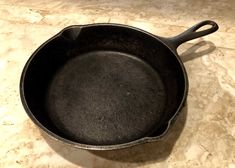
[(107, 86)]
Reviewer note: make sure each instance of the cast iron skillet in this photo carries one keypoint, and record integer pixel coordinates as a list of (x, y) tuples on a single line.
[(106, 86)]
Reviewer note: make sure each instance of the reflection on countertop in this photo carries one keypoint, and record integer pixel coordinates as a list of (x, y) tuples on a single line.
[(204, 133)]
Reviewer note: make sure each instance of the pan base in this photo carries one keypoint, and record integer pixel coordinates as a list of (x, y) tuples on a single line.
[(106, 97)]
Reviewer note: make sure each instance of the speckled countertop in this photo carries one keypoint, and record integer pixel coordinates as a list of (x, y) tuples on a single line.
[(204, 134)]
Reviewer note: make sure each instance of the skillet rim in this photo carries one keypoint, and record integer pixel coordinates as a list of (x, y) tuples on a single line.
[(103, 147)]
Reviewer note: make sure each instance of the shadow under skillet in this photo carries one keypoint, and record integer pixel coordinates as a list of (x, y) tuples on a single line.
[(193, 53)]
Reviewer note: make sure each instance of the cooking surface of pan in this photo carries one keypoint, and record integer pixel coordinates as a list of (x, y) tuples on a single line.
[(106, 97)]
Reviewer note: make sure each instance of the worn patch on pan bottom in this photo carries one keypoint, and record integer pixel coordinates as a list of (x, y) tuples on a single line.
[(106, 97)]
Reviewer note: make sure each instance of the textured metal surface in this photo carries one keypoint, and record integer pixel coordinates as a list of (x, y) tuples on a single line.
[(106, 97)]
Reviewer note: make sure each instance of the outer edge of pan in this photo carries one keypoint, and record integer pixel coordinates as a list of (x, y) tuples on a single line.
[(101, 147)]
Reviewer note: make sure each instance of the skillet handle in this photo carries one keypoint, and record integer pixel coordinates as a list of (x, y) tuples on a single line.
[(192, 33)]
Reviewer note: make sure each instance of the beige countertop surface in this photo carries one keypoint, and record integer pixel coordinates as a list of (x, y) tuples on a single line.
[(204, 133)]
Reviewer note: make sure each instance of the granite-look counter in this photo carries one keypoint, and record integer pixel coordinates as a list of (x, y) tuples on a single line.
[(203, 135)]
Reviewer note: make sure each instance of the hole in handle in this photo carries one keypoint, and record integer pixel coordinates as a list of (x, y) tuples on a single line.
[(205, 27)]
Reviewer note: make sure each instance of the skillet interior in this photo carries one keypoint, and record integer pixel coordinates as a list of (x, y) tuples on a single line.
[(110, 85)]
